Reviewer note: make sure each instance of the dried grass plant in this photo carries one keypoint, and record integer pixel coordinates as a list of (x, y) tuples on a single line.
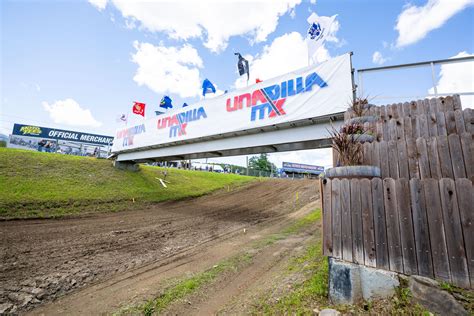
[(350, 151)]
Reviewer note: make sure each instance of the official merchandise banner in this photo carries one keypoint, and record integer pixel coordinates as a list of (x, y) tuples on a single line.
[(52, 133), (300, 166), (306, 93)]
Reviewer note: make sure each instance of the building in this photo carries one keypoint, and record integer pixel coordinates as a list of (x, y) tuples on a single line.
[(47, 139)]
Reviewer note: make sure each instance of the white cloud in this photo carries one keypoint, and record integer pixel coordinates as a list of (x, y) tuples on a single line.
[(37, 87), (99, 4), (214, 20), (69, 112), (285, 54), (168, 69), (378, 59), (414, 23), (457, 77)]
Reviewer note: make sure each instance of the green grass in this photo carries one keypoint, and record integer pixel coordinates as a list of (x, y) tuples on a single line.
[(182, 288), (303, 297), (35, 184)]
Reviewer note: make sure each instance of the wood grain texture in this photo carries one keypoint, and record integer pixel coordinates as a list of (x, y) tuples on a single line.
[(454, 235)]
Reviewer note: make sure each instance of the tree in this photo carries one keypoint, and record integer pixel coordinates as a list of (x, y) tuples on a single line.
[(261, 163)]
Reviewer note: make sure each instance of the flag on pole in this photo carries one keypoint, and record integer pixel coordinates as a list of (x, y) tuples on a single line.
[(258, 80), (319, 27), (139, 108), (165, 103), (243, 66), (207, 87), (122, 118)]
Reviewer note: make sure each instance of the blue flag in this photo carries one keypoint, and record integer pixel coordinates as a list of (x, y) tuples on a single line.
[(166, 102), (185, 104), (207, 87)]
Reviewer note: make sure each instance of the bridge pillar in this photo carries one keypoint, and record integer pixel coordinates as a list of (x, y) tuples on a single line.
[(126, 165)]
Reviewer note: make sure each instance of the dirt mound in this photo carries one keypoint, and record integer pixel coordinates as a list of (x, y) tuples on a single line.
[(44, 259)]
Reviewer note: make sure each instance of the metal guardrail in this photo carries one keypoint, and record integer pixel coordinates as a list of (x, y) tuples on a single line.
[(430, 63)]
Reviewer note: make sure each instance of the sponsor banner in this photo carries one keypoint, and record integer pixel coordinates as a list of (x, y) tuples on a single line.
[(302, 94), (302, 168), (53, 133)]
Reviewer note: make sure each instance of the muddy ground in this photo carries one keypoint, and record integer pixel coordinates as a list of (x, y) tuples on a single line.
[(42, 260)]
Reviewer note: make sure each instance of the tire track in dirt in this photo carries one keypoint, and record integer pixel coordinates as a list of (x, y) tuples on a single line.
[(45, 259)]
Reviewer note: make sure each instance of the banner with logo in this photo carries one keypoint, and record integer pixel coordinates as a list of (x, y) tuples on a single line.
[(300, 167), (53, 133), (303, 94)]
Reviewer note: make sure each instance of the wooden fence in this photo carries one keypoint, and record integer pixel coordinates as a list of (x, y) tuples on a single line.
[(432, 157), (417, 226)]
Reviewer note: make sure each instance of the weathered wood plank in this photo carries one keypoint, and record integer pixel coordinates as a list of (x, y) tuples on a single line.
[(423, 161), (407, 237), (413, 109), (408, 129), (459, 119), (435, 167), (367, 222), (405, 109), (454, 236), (346, 220), (444, 157), (394, 111), (415, 125), (448, 103), (450, 122), (423, 126), (336, 218), (393, 226), (383, 112), (434, 106), (392, 129), (457, 157), (412, 159), (436, 225), (357, 236), (457, 102), (403, 159), (400, 128), (432, 127), (441, 122), (420, 229), (468, 115), (380, 231), (384, 165), (368, 150), (327, 217), (420, 104), (376, 154), (467, 145), (465, 194), (393, 159)]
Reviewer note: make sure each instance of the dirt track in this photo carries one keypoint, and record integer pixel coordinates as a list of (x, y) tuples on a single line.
[(44, 259)]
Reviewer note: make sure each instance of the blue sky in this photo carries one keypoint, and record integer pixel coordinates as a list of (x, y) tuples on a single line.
[(77, 65)]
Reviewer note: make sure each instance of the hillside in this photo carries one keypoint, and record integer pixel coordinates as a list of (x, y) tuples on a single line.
[(34, 184)]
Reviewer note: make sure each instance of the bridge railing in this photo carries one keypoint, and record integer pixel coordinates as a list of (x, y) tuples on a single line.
[(405, 82)]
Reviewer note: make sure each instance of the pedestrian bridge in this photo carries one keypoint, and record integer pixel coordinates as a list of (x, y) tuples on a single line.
[(309, 134), (291, 112)]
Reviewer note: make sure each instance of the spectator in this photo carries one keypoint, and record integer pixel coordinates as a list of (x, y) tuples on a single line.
[(41, 145)]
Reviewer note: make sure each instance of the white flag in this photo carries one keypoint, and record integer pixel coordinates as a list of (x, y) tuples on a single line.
[(121, 118), (318, 32)]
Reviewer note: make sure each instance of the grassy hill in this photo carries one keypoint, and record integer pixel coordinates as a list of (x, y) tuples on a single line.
[(35, 184)]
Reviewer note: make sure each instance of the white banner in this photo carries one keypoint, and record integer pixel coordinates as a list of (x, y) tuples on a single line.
[(306, 93)]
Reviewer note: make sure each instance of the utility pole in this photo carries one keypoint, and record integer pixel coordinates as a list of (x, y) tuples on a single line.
[(247, 165)]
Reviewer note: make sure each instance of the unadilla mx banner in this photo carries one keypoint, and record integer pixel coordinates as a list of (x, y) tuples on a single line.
[(302, 94)]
